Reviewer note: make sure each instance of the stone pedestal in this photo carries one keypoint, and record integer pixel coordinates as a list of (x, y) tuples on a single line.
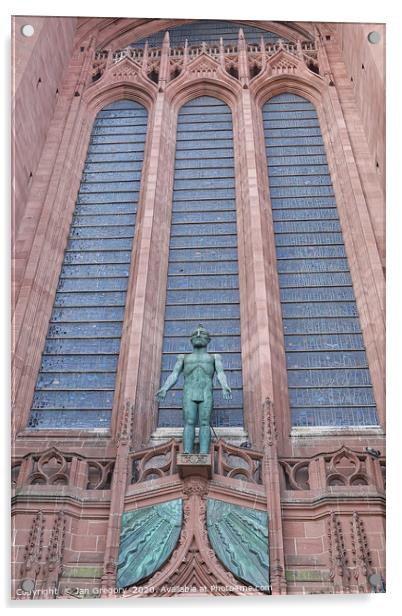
[(199, 464)]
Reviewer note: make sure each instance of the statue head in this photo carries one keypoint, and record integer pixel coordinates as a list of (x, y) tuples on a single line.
[(200, 337)]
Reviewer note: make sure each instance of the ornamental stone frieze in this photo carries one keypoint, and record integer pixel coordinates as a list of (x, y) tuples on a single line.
[(242, 61), (325, 471)]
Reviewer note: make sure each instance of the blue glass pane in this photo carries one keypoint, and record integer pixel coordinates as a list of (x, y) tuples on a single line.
[(203, 217), (78, 380), (72, 399), (73, 420), (323, 294), (86, 346), (107, 298), (104, 220), (330, 396), (101, 313), (327, 378), (327, 359), (319, 309), (207, 228), (95, 271), (215, 327), (103, 197), (312, 265), (211, 311), (205, 282), (204, 255), (202, 297), (321, 326), (203, 267), (345, 416), (210, 31), (321, 342), (74, 363), (203, 285), (220, 241), (85, 330), (208, 155), (329, 384), (337, 279), (79, 361)]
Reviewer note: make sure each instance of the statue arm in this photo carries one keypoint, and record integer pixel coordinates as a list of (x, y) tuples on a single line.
[(227, 392), (171, 379)]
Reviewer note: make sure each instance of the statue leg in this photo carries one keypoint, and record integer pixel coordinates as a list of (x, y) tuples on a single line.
[(190, 416), (205, 429)]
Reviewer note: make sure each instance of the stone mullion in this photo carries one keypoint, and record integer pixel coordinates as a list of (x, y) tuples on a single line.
[(278, 367), (258, 357), (38, 287), (358, 233), (264, 387), (143, 321)]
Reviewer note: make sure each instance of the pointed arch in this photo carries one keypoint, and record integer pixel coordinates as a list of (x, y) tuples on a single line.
[(203, 283), (76, 382), (328, 378)]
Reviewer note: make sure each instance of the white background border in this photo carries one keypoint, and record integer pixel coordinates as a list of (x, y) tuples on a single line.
[(313, 10)]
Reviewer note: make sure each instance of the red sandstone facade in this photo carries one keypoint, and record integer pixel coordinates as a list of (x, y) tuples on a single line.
[(323, 491)]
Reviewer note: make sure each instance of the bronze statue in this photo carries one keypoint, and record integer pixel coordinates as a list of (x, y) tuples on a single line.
[(198, 370)]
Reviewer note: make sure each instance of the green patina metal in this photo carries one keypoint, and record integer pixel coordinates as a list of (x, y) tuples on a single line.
[(198, 369), (239, 536), (148, 537)]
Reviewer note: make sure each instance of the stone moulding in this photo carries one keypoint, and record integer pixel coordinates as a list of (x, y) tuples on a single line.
[(148, 537)]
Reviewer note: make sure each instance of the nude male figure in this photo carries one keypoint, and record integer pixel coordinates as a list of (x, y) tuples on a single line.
[(198, 369)]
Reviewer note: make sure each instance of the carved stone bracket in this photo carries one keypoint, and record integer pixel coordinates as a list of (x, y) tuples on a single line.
[(194, 464)]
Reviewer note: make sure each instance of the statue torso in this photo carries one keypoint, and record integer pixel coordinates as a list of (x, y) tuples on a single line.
[(204, 362), (198, 371)]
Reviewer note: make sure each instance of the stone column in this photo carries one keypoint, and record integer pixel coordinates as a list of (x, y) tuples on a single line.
[(141, 341), (253, 246)]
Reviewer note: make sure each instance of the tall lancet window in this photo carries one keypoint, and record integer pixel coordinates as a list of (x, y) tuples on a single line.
[(76, 382), (328, 377), (203, 283)]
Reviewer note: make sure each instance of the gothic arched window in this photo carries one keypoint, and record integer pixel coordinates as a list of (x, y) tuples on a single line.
[(75, 386), (328, 377), (203, 283)]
